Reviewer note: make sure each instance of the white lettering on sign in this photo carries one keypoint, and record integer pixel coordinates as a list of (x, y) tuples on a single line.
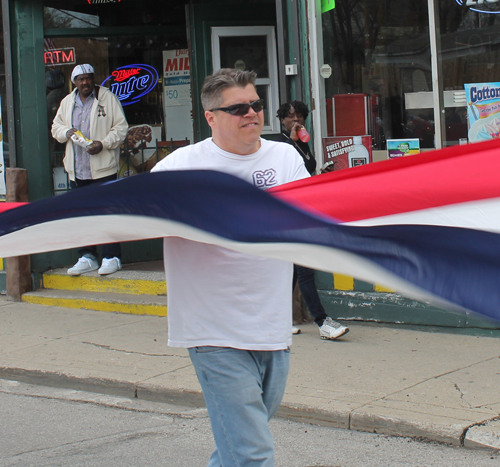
[(479, 2), (92, 2), (481, 6), (125, 89), (130, 83)]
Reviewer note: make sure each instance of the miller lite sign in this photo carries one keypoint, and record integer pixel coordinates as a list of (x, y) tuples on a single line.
[(130, 83)]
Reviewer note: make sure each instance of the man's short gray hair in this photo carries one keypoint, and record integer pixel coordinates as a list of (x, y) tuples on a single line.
[(211, 91)]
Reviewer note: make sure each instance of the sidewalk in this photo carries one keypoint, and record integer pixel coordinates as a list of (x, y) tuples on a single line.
[(390, 380)]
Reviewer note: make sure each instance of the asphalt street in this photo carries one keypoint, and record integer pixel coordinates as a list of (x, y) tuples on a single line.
[(44, 426)]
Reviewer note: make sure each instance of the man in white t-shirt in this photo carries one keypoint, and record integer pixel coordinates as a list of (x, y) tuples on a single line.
[(234, 311)]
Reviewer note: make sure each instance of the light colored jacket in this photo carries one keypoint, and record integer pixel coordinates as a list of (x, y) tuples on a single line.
[(107, 125)]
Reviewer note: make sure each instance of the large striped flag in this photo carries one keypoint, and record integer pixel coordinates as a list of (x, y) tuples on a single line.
[(426, 225)]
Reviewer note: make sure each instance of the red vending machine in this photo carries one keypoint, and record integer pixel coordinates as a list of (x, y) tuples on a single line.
[(351, 114), (354, 115)]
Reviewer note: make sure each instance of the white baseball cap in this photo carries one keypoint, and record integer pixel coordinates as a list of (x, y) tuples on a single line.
[(81, 70)]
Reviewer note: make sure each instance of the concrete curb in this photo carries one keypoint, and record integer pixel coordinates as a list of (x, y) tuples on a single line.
[(485, 435)]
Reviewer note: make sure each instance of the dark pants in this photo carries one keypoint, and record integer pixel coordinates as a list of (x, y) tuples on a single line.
[(109, 250), (307, 286)]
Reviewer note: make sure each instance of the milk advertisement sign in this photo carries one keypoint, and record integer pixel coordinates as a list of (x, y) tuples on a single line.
[(177, 95), (483, 111)]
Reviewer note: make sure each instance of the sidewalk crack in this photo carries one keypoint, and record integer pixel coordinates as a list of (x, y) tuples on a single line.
[(108, 347), (436, 377), (462, 396)]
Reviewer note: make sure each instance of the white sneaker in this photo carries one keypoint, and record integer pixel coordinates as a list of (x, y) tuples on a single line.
[(331, 329), (110, 265), (84, 264), (295, 330)]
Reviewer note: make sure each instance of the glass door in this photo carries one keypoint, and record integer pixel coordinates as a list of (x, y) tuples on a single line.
[(251, 48)]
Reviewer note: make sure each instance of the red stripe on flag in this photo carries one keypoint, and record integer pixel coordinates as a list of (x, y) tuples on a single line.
[(7, 206), (436, 178)]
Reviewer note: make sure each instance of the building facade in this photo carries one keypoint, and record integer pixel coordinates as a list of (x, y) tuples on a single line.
[(391, 70)]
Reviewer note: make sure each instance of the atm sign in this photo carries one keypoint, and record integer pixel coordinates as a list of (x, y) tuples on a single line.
[(60, 56)]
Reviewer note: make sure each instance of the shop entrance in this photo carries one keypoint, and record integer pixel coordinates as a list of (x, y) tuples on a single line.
[(148, 67), (135, 43), (251, 48), (132, 67), (237, 35), (128, 44)]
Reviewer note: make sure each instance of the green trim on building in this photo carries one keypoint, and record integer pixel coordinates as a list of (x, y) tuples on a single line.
[(363, 303), (3, 282), (28, 70)]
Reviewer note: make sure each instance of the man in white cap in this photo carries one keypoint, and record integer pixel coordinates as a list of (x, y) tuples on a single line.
[(96, 113)]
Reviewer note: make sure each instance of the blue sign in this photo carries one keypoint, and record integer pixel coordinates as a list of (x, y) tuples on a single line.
[(131, 82)]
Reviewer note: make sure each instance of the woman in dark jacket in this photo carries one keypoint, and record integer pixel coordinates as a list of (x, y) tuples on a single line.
[(292, 116)]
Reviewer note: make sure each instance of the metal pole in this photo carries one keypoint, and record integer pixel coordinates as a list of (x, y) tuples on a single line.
[(437, 84), (297, 59), (318, 103), (280, 32)]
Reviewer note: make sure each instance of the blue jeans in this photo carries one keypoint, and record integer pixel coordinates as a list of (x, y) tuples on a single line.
[(109, 250), (307, 286), (243, 390)]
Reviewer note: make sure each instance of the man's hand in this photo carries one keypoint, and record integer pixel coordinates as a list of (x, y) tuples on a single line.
[(95, 148), (293, 132), (71, 132)]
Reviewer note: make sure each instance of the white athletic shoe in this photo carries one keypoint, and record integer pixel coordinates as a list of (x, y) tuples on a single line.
[(331, 329), (295, 330), (84, 264), (110, 265)]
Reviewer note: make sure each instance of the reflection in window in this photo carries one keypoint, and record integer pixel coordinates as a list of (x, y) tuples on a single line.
[(55, 18), (380, 49), (245, 53), (71, 14)]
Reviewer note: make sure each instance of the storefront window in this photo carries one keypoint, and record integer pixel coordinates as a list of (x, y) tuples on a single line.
[(379, 50), (470, 53), (133, 68)]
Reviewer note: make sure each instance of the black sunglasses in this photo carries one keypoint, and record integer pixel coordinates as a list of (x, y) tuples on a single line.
[(242, 109)]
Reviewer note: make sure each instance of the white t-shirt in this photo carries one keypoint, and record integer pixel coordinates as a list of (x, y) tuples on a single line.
[(219, 297)]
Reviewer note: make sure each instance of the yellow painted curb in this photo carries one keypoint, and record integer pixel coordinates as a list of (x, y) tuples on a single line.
[(130, 308), (97, 284), (381, 288)]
